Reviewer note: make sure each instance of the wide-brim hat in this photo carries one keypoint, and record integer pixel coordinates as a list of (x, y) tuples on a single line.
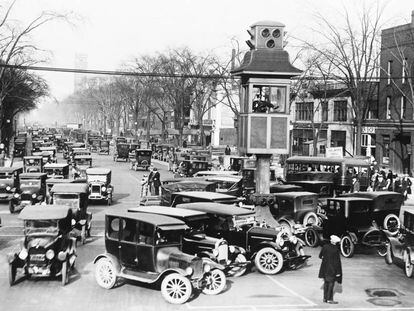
[(335, 239)]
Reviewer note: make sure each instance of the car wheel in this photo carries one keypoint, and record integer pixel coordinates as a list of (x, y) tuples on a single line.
[(285, 224), (11, 207), (12, 274), (268, 261), (347, 246), (311, 237), (65, 272), (105, 274), (392, 223), (382, 250), (216, 282), (236, 272), (311, 219), (408, 266), (389, 257), (176, 289)]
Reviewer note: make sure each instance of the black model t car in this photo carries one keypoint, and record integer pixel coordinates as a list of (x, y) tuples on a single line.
[(99, 181), (32, 191), (33, 164), (147, 248), (47, 249), (122, 152), (9, 182), (56, 170), (196, 242), (400, 248), (271, 249), (75, 195), (142, 159)]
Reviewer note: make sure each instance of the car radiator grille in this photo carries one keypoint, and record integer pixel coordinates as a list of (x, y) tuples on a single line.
[(96, 189), (37, 256), (223, 253), (26, 197)]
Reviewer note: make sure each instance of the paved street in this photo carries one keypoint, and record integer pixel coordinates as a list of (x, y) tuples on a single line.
[(290, 290)]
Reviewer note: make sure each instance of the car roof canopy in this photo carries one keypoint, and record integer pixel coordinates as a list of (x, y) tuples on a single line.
[(98, 171), (43, 212), (216, 208), (160, 221), (206, 195), (33, 175), (70, 188), (168, 211)]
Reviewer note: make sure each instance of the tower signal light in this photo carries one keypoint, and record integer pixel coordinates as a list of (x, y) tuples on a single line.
[(250, 42)]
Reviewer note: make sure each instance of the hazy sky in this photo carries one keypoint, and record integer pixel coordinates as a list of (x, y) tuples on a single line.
[(111, 32)]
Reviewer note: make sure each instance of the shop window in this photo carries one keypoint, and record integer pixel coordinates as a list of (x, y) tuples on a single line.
[(324, 111)]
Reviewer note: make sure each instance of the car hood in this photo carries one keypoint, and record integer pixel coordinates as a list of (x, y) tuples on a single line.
[(6, 182), (172, 257)]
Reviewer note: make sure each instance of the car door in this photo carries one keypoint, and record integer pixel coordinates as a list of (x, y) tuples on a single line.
[(145, 246), (128, 243)]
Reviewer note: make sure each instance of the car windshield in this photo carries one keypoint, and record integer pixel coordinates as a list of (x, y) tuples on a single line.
[(97, 178), (166, 237), (71, 200), (33, 162), (239, 221), (32, 227), (224, 185), (197, 223), (53, 171), (29, 183), (82, 161)]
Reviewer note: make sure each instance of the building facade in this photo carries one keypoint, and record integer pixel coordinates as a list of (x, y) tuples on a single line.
[(394, 129)]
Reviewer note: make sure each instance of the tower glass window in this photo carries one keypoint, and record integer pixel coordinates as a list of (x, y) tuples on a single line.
[(388, 108), (389, 71), (269, 98)]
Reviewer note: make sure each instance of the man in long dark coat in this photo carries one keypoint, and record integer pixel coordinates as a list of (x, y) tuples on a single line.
[(156, 181), (331, 268)]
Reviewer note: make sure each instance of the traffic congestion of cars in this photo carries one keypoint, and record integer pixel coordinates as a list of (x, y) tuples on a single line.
[(206, 225)]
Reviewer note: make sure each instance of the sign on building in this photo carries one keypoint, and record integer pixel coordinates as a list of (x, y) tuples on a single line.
[(334, 152)]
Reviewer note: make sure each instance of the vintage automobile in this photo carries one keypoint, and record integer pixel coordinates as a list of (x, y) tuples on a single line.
[(184, 185), (122, 152), (142, 159), (292, 208), (51, 151), (76, 149), (228, 184), (81, 163), (386, 207), (66, 148), (132, 147), (103, 147), (215, 173), (75, 196), (202, 196), (147, 248), (99, 182), (48, 248), (9, 182), (277, 187), (50, 182), (32, 191), (190, 167), (400, 248), (95, 144), (237, 163), (270, 249), (36, 145), (56, 170), (352, 219), (33, 164), (196, 242), (19, 147)]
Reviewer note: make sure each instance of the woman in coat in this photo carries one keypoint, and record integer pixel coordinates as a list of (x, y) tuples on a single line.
[(331, 268)]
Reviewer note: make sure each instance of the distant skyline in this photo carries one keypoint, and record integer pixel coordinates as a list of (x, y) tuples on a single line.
[(111, 33)]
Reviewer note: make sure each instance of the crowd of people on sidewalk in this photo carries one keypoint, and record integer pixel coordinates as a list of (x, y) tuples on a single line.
[(388, 181)]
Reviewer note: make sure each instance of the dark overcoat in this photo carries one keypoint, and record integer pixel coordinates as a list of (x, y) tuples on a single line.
[(331, 263)]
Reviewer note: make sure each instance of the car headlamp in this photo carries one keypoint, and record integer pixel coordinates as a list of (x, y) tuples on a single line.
[(232, 249), (293, 239), (23, 254), (207, 268), (62, 256), (34, 195), (50, 254), (215, 252), (281, 242), (16, 195), (104, 188), (8, 188), (189, 271)]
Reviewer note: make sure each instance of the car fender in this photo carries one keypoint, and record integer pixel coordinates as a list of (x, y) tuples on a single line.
[(206, 254), (213, 264), (265, 244), (11, 257), (111, 258), (410, 252), (383, 237), (353, 236)]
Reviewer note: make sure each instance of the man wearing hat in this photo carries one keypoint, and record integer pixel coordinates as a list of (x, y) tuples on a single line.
[(156, 181), (331, 268)]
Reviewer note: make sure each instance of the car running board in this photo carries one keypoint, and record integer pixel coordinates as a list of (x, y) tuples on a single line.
[(140, 276)]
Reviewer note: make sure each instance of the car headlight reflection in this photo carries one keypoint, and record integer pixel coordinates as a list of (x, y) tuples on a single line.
[(34, 195), (232, 249), (23, 254), (16, 195), (207, 268), (189, 271), (103, 188), (50, 254), (8, 188)]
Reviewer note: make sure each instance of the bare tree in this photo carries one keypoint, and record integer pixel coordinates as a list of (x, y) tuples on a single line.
[(352, 49)]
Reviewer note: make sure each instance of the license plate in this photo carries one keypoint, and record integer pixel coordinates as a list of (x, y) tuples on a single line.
[(37, 257)]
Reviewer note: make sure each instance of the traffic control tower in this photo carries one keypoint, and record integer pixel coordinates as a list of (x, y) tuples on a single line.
[(264, 108)]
